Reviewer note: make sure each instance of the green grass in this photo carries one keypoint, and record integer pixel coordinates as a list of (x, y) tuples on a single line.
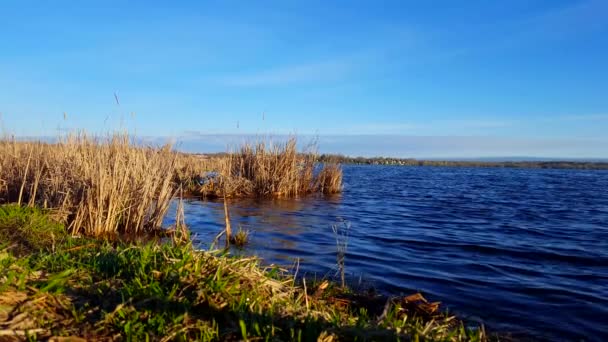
[(29, 229), (240, 238), (160, 292)]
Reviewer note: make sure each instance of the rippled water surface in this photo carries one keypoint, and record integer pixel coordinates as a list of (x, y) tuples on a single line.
[(520, 250)]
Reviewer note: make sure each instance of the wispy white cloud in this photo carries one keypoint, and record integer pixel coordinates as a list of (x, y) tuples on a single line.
[(427, 126), (292, 74), (383, 128), (583, 117), (571, 19), (472, 125)]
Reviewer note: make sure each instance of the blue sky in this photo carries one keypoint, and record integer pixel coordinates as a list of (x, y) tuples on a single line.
[(501, 77)]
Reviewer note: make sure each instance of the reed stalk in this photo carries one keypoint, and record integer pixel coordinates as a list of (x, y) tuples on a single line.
[(98, 186)]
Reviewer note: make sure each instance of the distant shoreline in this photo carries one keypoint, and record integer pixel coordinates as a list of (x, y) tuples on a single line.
[(517, 164), (578, 165)]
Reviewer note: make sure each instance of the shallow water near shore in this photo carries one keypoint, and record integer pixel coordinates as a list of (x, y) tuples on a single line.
[(520, 250)]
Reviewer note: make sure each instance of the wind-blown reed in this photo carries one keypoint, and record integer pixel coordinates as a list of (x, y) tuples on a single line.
[(111, 185), (98, 186), (273, 170)]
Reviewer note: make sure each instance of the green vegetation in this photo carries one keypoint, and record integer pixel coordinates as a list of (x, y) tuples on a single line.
[(29, 229), (54, 285), (332, 158), (240, 238)]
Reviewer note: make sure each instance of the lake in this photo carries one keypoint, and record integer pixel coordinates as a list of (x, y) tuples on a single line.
[(521, 250)]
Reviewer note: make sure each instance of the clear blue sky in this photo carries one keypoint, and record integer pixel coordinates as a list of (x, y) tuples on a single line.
[(510, 77)]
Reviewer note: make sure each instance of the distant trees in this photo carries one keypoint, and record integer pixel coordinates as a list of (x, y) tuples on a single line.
[(339, 158)]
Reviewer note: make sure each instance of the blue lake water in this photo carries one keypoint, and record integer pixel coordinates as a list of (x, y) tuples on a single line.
[(520, 250)]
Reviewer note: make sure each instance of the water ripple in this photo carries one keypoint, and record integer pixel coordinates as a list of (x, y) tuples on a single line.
[(524, 251)]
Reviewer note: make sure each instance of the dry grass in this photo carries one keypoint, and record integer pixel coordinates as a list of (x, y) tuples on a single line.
[(272, 170), (96, 186), (329, 180), (108, 186), (240, 237), (190, 169)]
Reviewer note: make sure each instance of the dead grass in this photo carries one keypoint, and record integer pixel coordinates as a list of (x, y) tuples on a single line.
[(329, 180), (97, 186), (265, 169), (109, 186)]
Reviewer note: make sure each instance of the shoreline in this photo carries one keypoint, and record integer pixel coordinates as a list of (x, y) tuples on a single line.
[(57, 285), (577, 165)]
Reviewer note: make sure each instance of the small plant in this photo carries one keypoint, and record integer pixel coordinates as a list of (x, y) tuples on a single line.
[(341, 231), (181, 234), (29, 229), (329, 180), (240, 238)]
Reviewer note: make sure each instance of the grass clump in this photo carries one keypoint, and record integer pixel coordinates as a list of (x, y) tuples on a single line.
[(329, 179), (240, 238), (272, 170), (100, 186), (163, 292), (26, 230)]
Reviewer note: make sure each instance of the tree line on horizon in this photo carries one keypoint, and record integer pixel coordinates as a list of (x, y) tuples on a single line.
[(342, 159)]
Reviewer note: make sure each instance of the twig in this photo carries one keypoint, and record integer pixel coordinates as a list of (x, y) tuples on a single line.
[(10, 332), (80, 247), (295, 275), (385, 311), (305, 295), (227, 218), (27, 167)]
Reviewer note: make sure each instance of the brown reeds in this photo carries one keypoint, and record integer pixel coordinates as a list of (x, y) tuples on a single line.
[(190, 169), (273, 170), (329, 179), (108, 186), (97, 186)]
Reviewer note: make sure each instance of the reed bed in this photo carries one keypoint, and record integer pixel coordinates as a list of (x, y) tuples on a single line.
[(109, 186), (329, 179), (97, 186), (272, 170), (190, 169)]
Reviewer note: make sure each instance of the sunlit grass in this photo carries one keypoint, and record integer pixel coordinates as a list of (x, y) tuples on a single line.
[(98, 187), (111, 186), (264, 169), (161, 292)]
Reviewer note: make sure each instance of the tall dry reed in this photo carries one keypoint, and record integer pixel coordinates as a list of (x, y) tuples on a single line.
[(98, 186), (329, 179), (272, 170), (105, 186)]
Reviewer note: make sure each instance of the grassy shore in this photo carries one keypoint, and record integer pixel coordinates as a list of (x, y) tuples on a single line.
[(53, 285), (82, 252)]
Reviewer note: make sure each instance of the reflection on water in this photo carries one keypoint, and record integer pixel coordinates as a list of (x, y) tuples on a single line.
[(522, 250), (282, 230)]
